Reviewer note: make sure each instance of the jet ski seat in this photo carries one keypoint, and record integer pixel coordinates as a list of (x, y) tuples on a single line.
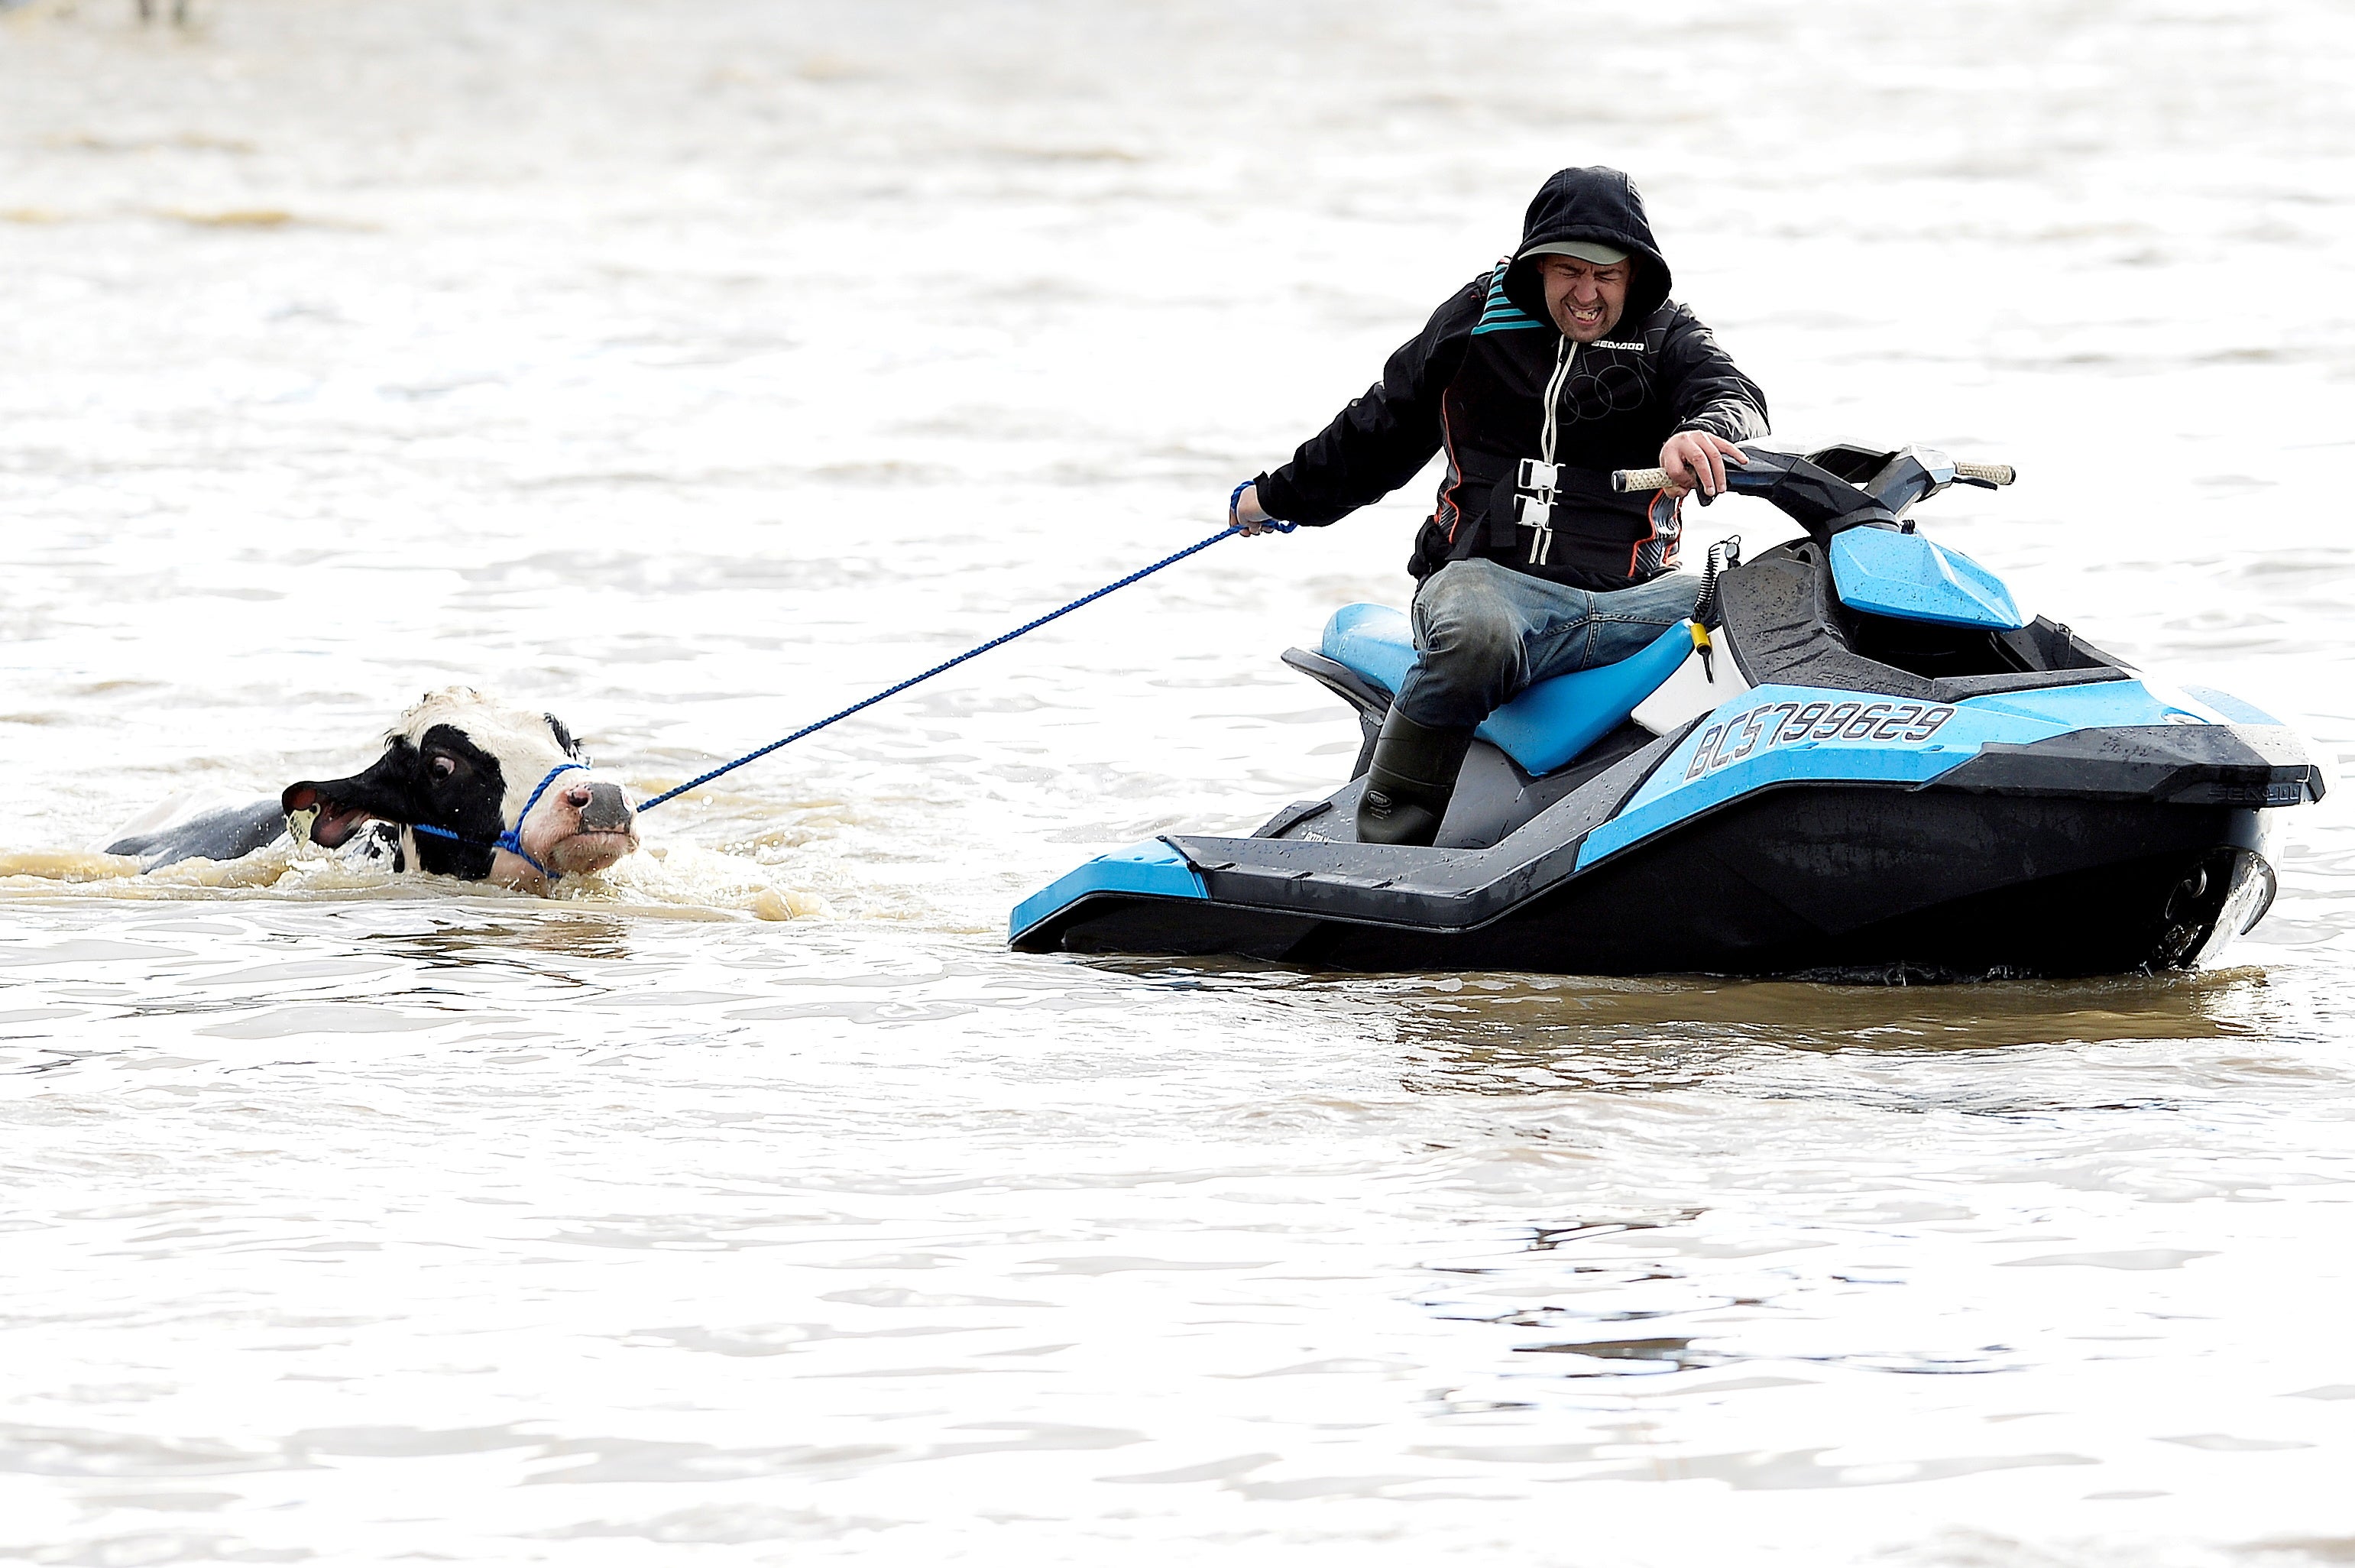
[(1547, 726)]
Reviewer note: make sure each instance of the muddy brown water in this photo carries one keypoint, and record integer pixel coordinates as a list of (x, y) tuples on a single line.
[(692, 370)]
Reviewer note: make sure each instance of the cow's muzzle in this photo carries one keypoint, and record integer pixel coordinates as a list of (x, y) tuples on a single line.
[(584, 827), (607, 809)]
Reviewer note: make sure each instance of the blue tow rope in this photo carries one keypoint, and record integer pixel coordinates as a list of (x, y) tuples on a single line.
[(1231, 529)]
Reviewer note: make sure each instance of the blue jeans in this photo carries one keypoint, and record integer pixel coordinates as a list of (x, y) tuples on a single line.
[(1483, 632)]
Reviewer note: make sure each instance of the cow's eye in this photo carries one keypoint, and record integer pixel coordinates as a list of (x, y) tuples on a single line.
[(442, 767)]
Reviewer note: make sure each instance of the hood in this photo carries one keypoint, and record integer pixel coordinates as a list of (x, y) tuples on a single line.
[(1591, 203)]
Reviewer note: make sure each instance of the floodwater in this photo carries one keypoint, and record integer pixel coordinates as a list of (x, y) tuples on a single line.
[(690, 370)]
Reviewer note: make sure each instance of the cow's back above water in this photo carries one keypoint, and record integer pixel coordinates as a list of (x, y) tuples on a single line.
[(183, 831)]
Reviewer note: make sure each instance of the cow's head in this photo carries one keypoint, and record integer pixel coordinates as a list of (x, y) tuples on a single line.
[(468, 764)]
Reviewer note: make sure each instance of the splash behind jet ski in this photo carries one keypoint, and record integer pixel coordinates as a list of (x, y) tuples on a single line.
[(1858, 757)]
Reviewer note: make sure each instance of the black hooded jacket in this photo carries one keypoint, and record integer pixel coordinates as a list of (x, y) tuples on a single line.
[(1475, 385)]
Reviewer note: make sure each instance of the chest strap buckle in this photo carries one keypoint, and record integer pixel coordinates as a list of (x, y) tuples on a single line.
[(1541, 478), (1539, 516)]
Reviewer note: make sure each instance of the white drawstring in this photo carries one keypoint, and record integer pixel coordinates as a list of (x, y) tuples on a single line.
[(1561, 362), (1541, 537)]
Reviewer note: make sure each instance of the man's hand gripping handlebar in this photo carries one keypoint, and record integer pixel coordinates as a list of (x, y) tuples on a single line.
[(1695, 460)]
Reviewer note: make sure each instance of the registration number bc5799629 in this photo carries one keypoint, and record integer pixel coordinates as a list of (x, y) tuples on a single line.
[(1788, 723)]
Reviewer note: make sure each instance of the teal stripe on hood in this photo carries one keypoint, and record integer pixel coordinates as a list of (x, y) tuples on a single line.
[(1591, 203)]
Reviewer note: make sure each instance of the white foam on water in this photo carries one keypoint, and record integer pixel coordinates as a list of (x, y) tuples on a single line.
[(658, 880)]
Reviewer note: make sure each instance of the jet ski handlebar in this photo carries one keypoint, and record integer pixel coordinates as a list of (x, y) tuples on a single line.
[(1624, 480), (1627, 480), (1838, 487)]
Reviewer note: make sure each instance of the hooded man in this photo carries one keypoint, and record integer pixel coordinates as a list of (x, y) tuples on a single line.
[(1565, 361)]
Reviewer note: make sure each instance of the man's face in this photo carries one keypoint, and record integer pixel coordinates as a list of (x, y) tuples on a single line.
[(1583, 299)]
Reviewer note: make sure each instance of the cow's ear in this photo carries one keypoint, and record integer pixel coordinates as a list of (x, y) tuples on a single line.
[(571, 747)]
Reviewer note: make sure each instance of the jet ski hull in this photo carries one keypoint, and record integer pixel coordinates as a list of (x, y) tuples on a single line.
[(2099, 827), (1861, 882)]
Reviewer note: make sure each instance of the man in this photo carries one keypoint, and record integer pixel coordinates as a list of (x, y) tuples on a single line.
[(1565, 362)]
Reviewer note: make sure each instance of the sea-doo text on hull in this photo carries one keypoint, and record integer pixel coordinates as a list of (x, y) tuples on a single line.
[(1858, 756)]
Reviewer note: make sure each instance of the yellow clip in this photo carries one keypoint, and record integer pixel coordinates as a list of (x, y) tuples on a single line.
[(1700, 635)]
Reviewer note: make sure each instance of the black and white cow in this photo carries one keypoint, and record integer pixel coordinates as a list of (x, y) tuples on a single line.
[(467, 786)]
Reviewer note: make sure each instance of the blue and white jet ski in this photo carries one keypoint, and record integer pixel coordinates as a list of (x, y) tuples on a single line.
[(1858, 757)]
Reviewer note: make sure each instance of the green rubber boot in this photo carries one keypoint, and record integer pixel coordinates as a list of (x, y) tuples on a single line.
[(1409, 781)]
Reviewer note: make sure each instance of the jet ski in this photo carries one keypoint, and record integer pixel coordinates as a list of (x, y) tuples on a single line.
[(1857, 759)]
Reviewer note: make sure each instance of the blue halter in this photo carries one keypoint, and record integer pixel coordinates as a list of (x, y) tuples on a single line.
[(510, 839)]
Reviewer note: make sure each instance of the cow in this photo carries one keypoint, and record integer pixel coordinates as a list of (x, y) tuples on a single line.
[(468, 786)]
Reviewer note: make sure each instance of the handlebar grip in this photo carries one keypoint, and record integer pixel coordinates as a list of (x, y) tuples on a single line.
[(1987, 473), (1626, 479)]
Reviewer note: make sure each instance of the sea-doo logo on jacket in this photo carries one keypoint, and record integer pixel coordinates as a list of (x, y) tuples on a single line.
[(1501, 394)]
